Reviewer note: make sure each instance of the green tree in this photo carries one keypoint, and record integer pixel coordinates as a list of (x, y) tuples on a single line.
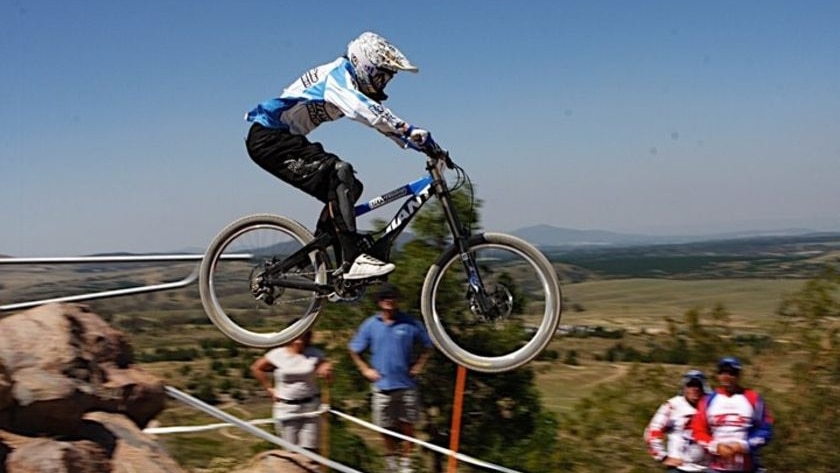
[(603, 431), (503, 420), (430, 224), (807, 429)]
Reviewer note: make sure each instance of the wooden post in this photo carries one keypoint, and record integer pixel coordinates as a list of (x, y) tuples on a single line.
[(325, 425), (455, 430)]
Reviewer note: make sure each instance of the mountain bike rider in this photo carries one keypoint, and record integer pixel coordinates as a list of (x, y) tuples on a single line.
[(352, 85)]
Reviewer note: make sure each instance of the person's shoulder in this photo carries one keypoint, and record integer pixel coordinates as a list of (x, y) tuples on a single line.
[(339, 70), (274, 352), (275, 355), (369, 321), (406, 317), (340, 62), (412, 320), (313, 352), (670, 403), (752, 396)]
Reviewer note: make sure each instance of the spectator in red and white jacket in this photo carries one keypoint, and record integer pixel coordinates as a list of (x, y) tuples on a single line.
[(732, 423), (667, 436)]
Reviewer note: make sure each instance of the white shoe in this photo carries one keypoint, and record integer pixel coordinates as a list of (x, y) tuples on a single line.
[(367, 266)]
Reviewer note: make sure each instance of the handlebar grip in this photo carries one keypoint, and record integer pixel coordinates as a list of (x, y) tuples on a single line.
[(432, 150)]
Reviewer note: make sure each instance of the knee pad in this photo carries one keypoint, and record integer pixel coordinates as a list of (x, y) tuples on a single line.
[(344, 173), (346, 195)]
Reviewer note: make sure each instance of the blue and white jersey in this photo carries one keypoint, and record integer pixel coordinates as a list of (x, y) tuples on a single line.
[(325, 93)]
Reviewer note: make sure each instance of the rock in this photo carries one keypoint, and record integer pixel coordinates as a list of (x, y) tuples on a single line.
[(280, 461), (135, 451), (67, 375), (4, 453), (60, 361), (47, 455), (5, 388)]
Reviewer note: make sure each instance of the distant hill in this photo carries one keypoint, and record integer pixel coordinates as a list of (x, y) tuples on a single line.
[(547, 235), (551, 236)]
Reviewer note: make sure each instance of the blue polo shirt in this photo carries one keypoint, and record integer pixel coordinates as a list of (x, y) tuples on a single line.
[(391, 347)]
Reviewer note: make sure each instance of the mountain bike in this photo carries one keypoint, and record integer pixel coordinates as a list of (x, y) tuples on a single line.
[(490, 302)]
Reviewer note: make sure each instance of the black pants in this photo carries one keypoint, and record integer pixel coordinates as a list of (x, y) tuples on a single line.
[(306, 166)]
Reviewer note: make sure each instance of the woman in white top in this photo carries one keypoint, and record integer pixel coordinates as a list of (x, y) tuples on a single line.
[(294, 388)]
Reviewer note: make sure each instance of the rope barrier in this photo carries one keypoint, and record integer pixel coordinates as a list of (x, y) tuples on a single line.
[(222, 415), (445, 451), (249, 426), (197, 428), (201, 428)]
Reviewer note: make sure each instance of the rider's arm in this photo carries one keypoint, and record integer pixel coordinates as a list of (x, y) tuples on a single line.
[(340, 92), (655, 432)]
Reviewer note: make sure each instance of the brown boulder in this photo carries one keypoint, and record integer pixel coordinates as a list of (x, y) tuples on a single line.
[(280, 461), (6, 399), (134, 451), (58, 362), (105, 443), (47, 455)]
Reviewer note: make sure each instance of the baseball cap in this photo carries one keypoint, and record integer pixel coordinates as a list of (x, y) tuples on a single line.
[(729, 362), (387, 291)]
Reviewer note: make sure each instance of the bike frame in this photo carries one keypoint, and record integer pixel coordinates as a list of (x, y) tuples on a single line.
[(419, 192)]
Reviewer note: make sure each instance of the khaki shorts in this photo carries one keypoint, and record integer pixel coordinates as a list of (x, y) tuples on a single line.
[(390, 406), (302, 431)]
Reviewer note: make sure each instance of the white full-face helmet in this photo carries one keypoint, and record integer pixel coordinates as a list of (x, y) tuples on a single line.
[(375, 61)]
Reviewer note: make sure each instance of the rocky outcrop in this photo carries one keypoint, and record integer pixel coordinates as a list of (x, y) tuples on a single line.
[(71, 399), (280, 461)]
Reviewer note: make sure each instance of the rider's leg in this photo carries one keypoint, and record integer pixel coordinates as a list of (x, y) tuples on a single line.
[(326, 224), (357, 265), (341, 209), (308, 167), (348, 189)]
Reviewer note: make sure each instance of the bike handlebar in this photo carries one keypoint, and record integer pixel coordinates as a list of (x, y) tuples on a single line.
[(432, 150)]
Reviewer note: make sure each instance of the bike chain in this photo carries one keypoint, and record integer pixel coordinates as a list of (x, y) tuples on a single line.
[(318, 296)]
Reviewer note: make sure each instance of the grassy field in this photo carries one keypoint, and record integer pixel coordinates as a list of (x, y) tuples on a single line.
[(645, 303)]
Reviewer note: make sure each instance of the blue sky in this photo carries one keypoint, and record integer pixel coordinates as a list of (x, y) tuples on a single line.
[(121, 122)]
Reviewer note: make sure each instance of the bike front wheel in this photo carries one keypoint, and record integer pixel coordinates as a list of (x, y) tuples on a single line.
[(232, 281), (516, 319)]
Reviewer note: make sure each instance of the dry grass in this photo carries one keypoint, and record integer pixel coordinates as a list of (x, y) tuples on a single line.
[(646, 303)]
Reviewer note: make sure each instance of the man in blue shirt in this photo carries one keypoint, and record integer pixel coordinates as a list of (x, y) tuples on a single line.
[(390, 336)]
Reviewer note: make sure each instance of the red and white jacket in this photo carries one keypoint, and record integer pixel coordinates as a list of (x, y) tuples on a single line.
[(740, 417), (667, 435)]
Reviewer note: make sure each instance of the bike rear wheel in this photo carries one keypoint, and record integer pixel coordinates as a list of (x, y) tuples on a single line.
[(237, 256), (521, 283)]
